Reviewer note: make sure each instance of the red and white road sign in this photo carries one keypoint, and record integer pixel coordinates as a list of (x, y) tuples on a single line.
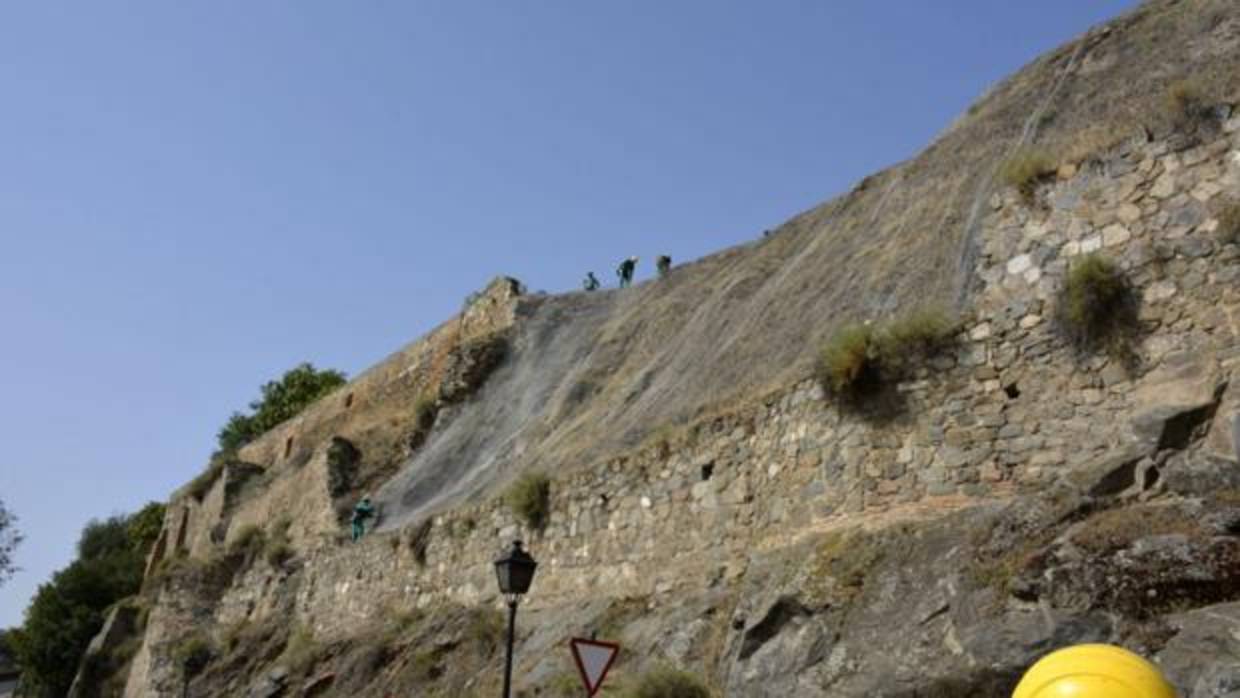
[(593, 659)]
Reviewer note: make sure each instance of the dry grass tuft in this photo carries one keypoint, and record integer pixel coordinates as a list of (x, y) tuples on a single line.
[(530, 499), (860, 360), (1186, 103), (1025, 168), (1116, 529), (1097, 307)]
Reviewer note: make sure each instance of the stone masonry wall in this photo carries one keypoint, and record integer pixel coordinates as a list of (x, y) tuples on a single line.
[(1012, 409), (374, 410)]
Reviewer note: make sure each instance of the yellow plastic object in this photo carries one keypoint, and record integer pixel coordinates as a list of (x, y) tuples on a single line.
[(1093, 671)]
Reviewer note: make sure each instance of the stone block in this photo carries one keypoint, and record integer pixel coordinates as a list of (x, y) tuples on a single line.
[(1183, 386)]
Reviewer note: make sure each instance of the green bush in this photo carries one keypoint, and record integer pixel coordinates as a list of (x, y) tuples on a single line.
[(1097, 308), (666, 682), (68, 610), (1229, 223), (1025, 168), (860, 360), (279, 401), (530, 499), (143, 526), (193, 655)]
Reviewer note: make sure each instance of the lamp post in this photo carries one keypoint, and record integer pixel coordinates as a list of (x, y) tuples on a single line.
[(515, 572)]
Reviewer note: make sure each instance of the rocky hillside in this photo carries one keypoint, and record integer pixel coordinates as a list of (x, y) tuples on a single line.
[(695, 491)]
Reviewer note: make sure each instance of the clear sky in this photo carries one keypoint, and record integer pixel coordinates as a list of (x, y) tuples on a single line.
[(195, 196)]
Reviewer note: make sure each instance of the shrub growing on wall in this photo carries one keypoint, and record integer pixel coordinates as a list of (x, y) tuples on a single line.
[(1097, 307), (530, 499), (1187, 103), (1025, 168), (343, 459), (861, 360)]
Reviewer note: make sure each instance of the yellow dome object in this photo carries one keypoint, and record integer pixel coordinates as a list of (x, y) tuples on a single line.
[(1093, 671)]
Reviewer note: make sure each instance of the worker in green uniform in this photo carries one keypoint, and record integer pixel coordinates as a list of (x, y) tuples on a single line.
[(625, 271), (663, 264), (364, 510)]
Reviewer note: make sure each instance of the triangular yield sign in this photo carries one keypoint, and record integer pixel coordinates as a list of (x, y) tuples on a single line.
[(593, 659)]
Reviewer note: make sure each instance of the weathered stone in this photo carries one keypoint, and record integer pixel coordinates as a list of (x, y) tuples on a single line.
[(1019, 264), (1115, 234), (1160, 291), (1163, 400), (1163, 187)]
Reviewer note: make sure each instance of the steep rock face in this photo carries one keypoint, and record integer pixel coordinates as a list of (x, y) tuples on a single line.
[(710, 507)]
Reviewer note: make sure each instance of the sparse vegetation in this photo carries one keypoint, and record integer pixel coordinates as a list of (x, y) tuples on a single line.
[(530, 499), (1187, 103), (342, 465), (861, 359), (419, 539), (916, 335), (1115, 529), (248, 542), (564, 685), (193, 655), (1025, 168), (425, 410), (1229, 222), (668, 682), (462, 528), (204, 481), (278, 550), (300, 651), (483, 629), (401, 622), (1097, 307), (849, 364)]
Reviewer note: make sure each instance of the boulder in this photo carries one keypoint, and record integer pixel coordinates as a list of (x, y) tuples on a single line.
[(1170, 403), (1203, 659)]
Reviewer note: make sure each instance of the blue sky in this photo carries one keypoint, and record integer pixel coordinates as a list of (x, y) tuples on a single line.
[(196, 196)]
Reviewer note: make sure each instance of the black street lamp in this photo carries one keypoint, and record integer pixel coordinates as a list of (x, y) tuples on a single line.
[(515, 572)]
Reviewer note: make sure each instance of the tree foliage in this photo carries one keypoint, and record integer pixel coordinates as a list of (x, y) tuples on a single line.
[(10, 537), (69, 610), (279, 400)]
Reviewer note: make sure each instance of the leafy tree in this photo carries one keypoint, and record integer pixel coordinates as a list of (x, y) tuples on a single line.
[(280, 400), (10, 537), (69, 610), (144, 525)]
